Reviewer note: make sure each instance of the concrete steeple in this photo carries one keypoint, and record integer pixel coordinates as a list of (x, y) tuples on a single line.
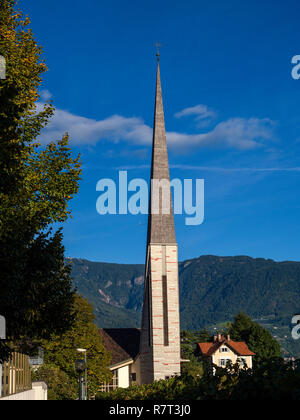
[(159, 356), (161, 228)]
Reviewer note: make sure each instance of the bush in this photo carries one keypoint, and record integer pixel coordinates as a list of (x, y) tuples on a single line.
[(272, 380)]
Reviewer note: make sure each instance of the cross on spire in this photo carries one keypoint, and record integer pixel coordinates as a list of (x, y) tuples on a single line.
[(158, 45)]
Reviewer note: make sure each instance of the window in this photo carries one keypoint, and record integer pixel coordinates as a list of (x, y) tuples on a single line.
[(114, 383), (223, 362), (224, 349)]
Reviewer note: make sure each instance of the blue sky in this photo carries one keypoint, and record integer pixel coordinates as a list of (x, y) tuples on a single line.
[(231, 109)]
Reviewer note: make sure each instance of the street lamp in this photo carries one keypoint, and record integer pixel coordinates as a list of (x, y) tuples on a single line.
[(2, 328), (85, 394), (80, 368)]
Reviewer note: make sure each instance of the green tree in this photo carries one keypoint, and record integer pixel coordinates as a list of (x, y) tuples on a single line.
[(188, 344), (241, 326), (189, 351), (203, 336), (36, 185), (194, 367), (60, 386), (189, 341), (60, 351), (258, 339)]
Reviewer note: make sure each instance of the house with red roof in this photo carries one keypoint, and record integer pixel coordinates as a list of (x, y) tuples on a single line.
[(223, 349)]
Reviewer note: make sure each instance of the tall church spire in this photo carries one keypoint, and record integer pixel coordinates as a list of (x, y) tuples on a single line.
[(161, 224), (159, 356)]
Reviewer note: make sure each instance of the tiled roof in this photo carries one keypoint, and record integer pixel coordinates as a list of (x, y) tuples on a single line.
[(122, 343), (208, 349), (240, 348)]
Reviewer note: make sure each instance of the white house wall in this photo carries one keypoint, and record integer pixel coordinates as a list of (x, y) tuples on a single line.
[(123, 374)]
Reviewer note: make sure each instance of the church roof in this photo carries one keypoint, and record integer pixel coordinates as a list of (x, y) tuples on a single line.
[(122, 343), (161, 228)]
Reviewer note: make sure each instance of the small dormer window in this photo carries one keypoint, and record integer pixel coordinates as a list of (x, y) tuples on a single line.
[(224, 349)]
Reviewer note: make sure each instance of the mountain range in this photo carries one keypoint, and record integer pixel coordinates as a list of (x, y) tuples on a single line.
[(212, 291)]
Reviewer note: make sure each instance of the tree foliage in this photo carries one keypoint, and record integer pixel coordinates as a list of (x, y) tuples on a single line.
[(190, 339), (60, 386), (189, 351), (60, 351), (36, 184), (258, 339), (272, 380)]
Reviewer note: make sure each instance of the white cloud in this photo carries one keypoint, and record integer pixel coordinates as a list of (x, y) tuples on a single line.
[(201, 112), (238, 133), (84, 130)]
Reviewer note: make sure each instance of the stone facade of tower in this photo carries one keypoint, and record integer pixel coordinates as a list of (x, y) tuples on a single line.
[(159, 356)]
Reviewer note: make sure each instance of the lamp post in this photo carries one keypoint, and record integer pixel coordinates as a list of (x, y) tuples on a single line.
[(85, 393), (80, 367), (2, 328)]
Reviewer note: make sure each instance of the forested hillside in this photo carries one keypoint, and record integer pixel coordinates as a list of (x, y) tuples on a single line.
[(212, 290)]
